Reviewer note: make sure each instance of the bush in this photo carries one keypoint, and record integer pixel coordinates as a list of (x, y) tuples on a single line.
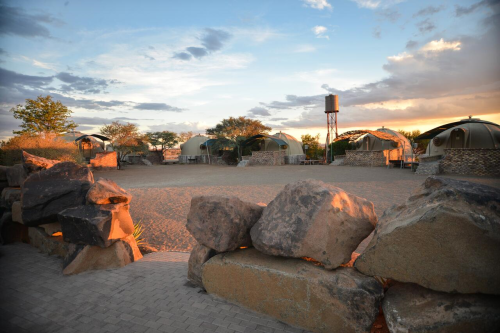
[(47, 146)]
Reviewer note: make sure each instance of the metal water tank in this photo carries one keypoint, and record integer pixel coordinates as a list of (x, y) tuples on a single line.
[(332, 103)]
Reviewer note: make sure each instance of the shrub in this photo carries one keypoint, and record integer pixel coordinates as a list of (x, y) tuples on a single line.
[(47, 146)]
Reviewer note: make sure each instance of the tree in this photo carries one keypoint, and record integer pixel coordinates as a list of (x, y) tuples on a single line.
[(233, 131), (43, 115), (163, 140), (184, 136), (125, 138), (314, 151), (422, 144)]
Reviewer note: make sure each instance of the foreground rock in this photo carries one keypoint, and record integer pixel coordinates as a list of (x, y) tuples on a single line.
[(16, 175), (9, 196), (446, 237), (34, 163), (411, 308), (100, 225), (314, 219), (222, 223), (199, 255), (16, 212), (48, 244), (82, 258), (48, 192), (295, 291), (105, 191)]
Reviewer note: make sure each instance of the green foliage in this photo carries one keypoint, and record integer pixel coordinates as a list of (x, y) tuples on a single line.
[(44, 145), (314, 151), (125, 138), (230, 133), (161, 141), (43, 116), (340, 147), (138, 230), (184, 136)]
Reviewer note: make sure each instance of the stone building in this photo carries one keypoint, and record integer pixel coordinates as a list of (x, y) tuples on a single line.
[(277, 149)]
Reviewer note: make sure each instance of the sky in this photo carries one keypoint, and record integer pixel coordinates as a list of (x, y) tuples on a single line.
[(186, 65)]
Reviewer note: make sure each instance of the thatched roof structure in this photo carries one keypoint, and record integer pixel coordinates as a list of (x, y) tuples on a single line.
[(354, 135)]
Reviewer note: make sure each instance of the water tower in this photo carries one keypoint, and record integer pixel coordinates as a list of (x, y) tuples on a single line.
[(331, 110)]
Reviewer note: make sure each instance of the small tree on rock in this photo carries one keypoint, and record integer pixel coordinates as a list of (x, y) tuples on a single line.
[(161, 141), (125, 138)]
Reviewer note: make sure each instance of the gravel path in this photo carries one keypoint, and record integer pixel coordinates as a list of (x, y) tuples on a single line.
[(162, 193)]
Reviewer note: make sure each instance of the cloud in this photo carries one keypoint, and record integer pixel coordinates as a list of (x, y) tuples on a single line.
[(12, 79), (3, 52), (277, 119), (197, 52), (318, 4), (15, 21), (293, 101), (157, 107), (259, 111), (426, 26), (377, 32), (427, 11), (390, 14), (212, 40), (177, 127), (306, 48), (374, 4), (82, 84), (462, 10), (320, 31), (441, 45), (411, 44)]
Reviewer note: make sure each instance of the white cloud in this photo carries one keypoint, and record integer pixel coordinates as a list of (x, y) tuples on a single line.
[(441, 45), (400, 57), (306, 48), (374, 4), (318, 4), (320, 31)]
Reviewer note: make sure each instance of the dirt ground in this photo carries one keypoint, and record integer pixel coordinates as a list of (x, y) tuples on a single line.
[(162, 193)]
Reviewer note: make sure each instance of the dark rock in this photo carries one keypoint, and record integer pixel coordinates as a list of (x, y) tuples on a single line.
[(34, 163), (105, 191), (222, 223), (314, 219), (16, 212), (411, 308), (16, 175), (295, 291), (446, 237), (146, 248), (11, 232), (45, 243), (100, 225), (3, 173), (9, 196), (48, 192), (199, 255), (82, 258)]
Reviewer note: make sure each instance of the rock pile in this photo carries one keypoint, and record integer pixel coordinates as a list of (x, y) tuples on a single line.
[(438, 253), (61, 210)]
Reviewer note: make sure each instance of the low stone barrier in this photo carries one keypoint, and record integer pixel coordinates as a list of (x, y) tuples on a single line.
[(104, 160), (467, 161), (268, 158)]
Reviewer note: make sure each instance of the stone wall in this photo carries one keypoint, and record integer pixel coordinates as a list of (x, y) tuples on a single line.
[(371, 158), (267, 158), (104, 160), (294, 159), (470, 161)]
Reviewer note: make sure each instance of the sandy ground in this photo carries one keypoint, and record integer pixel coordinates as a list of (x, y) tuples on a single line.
[(162, 193)]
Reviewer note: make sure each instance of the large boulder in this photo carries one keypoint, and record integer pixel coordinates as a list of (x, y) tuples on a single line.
[(411, 308), (16, 175), (313, 219), (446, 237), (48, 244), (9, 196), (222, 223), (3, 173), (82, 258), (48, 192), (105, 191), (16, 212), (34, 163), (295, 291), (199, 255), (100, 225)]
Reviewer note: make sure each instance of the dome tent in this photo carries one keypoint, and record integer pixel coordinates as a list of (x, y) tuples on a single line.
[(467, 133), (192, 148), (382, 139), (294, 147)]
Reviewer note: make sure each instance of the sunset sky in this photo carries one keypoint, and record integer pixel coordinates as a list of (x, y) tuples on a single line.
[(186, 65)]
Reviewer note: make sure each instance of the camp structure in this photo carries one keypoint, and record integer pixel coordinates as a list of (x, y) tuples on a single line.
[(277, 149), (467, 133), (194, 150), (376, 148), (88, 144)]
